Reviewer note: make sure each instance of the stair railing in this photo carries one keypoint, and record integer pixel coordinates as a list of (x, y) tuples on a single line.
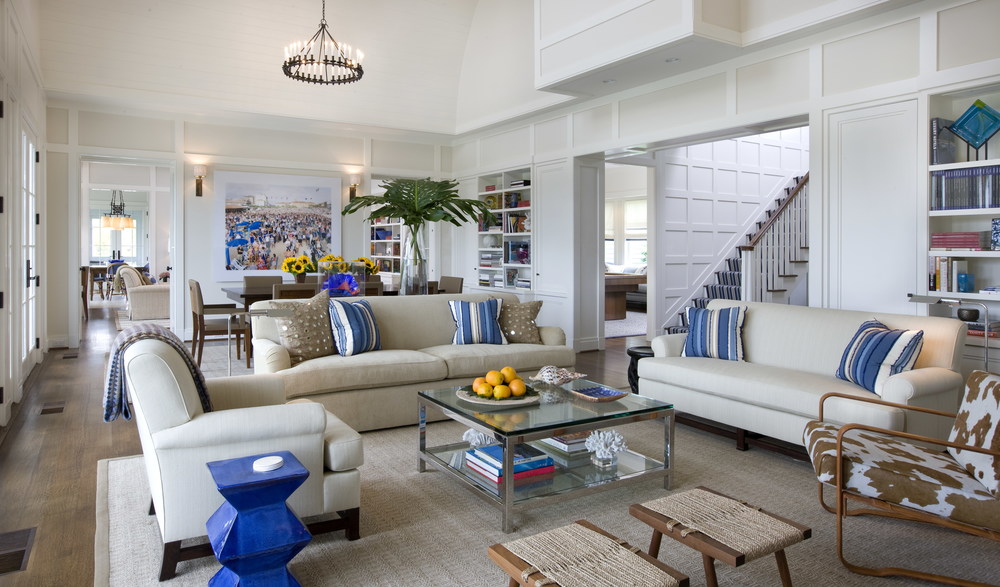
[(772, 252)]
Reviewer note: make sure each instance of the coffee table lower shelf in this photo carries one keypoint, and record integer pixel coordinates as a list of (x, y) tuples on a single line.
[(575, 480)]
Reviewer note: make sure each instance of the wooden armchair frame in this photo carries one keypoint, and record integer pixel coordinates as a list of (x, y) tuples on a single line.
[(881, 508)]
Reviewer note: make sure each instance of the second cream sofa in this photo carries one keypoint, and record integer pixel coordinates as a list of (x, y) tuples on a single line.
[(378, 389)]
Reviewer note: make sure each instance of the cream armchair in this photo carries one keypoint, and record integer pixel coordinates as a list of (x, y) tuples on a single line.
[(145, 301), (249, 417)]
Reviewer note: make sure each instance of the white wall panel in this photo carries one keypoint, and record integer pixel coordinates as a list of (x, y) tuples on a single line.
[(464, 156), (592, 126), (551, 136), (703, 100), (506, 149), (399, 155), (968, 34), (255, 143), (100, 129), (770, 83), (872, 208), (877, 57), (57, 126)]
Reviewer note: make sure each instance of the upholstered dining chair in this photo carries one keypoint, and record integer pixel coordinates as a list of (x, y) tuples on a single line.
[(230, 319), (450, 285), (146, 301), (112, 284), (293, 291), (248, 416), (909, 477), (260, 280)]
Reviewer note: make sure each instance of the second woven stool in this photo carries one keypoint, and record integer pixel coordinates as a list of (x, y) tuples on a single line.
[(581, 554), (720, 528)]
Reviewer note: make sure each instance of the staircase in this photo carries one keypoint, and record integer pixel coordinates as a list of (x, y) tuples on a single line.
[(773, 261)]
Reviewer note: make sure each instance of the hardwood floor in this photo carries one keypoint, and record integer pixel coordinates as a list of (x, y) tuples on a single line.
[(48, 462)]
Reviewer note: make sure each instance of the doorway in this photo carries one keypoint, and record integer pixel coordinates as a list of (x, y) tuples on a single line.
[(626, 250)]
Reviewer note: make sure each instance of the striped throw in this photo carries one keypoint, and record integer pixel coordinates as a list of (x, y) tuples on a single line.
[(354, 328), (877, 352), (477, 322), (716, 334)]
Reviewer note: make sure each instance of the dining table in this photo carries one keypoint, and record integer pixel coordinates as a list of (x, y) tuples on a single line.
[(247, 295)]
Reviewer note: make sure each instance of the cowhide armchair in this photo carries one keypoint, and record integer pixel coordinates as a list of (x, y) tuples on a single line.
[(912, 477)]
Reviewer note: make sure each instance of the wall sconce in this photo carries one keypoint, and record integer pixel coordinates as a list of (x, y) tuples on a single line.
[(200, 171), (355, 180)]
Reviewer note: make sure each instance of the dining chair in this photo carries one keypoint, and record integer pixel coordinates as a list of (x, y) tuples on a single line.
[(450, 285), (112, 283), (294, 291), (260, 280), (231, 319)]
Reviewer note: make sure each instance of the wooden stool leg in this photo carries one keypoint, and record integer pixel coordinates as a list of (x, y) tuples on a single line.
[(654, 544), (709, 563), (786, 577)]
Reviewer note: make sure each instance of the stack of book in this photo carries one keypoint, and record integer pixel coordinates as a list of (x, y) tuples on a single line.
[(979, 329), (520, 183), (490, 258), (568, 450), (965, 241), (528, 462)]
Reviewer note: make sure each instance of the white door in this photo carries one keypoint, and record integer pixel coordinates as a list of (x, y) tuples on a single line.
[(29, 282)]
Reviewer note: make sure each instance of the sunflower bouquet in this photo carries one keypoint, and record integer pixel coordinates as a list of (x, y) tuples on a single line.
[(332, 263), (371, 267), (297, 265)]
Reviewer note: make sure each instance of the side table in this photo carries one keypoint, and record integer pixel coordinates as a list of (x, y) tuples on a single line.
[(636, 353), (254, 534)]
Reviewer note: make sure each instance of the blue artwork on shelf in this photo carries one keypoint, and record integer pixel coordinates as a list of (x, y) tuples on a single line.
[(977, 124)]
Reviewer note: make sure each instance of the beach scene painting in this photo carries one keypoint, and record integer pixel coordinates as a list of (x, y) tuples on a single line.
[(268, 217)]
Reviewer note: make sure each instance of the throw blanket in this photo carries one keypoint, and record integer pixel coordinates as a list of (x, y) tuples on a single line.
[(115, 392)]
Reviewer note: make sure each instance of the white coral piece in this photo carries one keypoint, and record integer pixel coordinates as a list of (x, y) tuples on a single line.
[(476, 439), (556, 375), (605, 443)]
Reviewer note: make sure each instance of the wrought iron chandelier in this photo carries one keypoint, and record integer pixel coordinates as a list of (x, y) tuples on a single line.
[(117, 219), (322, 60)]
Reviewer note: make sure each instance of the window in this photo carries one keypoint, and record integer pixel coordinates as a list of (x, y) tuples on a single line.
[(625, 231)]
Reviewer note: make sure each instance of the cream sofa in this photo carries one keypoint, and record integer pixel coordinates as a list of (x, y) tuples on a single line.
[(146, 301), (378, 389), (791, 358)]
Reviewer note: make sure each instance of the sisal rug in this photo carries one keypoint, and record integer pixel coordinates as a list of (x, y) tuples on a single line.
[(425, 529), (634, 324)]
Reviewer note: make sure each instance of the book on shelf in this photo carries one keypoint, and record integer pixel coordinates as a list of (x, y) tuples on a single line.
[(981, 326), (494, 473), (520, 183), (522, 283), (943, 147), (971, 187), (523, 454), (973, 241), (982, 333)]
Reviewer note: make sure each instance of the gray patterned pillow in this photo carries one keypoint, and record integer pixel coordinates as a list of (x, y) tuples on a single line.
[(518, 322), (306, 333)]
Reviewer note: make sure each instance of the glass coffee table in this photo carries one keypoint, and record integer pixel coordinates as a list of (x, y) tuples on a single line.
[(557, 412)]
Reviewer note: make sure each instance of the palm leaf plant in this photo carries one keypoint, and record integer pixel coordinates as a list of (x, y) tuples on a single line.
[(416, 202)]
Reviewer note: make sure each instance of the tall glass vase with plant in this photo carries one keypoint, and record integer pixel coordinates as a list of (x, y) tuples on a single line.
[(416, 202)]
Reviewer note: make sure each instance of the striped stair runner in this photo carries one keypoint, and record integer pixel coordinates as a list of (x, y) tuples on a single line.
[(728, 286)]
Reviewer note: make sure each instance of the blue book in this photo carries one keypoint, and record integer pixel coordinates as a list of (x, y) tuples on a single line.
[(525, 457)]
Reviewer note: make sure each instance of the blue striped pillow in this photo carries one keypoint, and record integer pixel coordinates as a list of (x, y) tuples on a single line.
[(716, 334), (354, 327), (876, 353), (477, 322)]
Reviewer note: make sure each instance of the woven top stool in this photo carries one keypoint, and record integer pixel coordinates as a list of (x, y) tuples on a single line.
[(581, 555), (720, 527)]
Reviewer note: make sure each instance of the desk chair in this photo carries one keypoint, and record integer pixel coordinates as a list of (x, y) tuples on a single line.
[(260, 280), (450, 285), (294, 291)]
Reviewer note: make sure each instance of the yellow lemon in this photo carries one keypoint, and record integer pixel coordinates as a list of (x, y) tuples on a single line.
[(494, 378), (478, 381), (518, 388), (484, 390), (517, 418), (509, 374), (501, 392)]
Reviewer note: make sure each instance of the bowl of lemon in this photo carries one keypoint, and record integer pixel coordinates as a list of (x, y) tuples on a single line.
[(503, 388)]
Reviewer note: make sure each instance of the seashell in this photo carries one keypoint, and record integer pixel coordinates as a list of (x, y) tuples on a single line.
[(556, 375)]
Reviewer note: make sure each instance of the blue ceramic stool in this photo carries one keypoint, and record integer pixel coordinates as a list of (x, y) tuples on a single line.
[(254, 534)]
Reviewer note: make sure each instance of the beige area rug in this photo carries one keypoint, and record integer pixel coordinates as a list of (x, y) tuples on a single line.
[(424, 529)]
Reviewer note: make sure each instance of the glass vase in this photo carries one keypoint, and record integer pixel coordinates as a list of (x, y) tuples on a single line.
[(413, 280), (604, 463)]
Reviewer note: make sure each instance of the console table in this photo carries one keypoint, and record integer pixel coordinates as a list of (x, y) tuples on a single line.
[(616, 285)]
